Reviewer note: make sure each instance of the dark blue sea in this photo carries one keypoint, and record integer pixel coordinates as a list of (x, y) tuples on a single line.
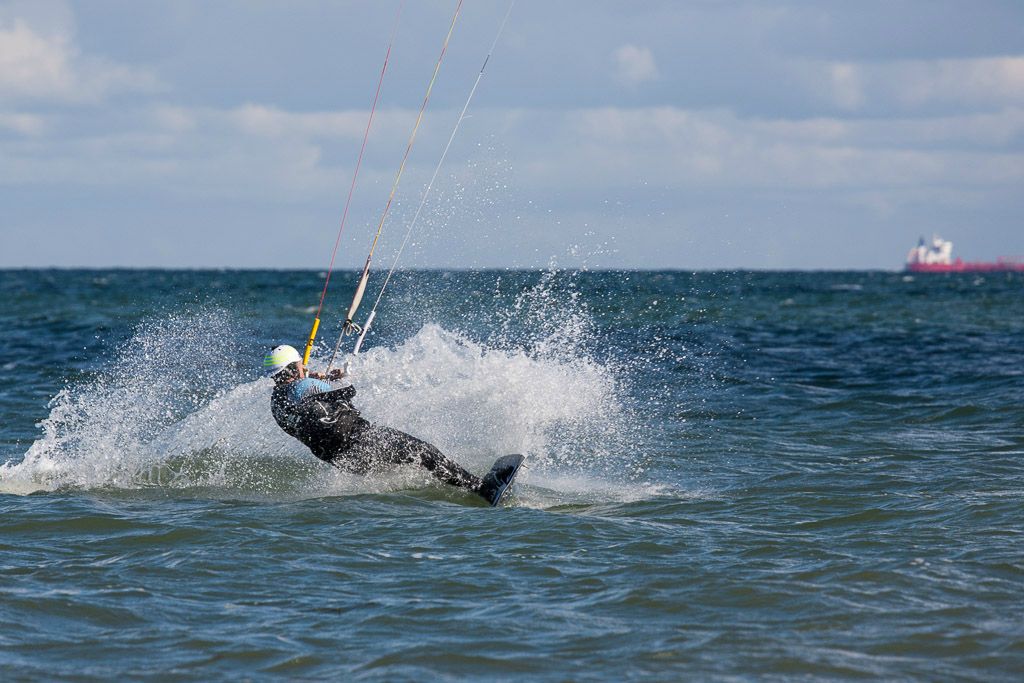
[(730, 476)]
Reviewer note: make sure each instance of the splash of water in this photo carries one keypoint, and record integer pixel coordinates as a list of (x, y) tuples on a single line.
[(478, 403), (109, 431), (156, 418)]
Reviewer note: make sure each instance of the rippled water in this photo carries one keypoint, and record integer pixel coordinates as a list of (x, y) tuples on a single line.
[(731, 475)]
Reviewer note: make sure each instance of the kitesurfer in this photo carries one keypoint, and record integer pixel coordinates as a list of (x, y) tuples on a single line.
[(308, 407)]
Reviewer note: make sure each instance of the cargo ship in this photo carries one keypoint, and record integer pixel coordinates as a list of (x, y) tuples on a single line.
[(937, 257)]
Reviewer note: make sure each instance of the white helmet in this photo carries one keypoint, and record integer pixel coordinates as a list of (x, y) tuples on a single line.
[(279, 358)]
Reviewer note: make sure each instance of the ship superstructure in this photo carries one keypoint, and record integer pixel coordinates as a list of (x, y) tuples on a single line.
[(937, 257)]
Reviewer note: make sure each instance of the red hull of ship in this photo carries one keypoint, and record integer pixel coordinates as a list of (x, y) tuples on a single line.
[(960, 266)]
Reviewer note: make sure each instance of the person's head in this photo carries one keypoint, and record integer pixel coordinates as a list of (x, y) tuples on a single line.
[(284, 364)]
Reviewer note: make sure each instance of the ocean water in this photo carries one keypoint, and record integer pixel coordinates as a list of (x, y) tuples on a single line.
[(731, 476)]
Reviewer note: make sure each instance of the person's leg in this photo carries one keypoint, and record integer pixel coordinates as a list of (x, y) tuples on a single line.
[(399, 447)]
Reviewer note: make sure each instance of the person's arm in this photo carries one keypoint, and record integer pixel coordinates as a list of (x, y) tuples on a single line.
[(333, 375), (344, 395)]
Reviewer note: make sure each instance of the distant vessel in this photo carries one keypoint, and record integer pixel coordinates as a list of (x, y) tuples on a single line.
[(938, 258)]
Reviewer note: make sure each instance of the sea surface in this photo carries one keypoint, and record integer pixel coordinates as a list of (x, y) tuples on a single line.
[(730, 476)]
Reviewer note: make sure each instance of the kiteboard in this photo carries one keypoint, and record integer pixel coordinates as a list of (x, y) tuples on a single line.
[(500, 478)]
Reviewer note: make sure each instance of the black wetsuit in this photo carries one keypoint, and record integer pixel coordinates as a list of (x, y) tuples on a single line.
[(334, 431)]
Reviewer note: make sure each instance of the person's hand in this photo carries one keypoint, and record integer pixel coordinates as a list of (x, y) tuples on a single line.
[(336, 374)]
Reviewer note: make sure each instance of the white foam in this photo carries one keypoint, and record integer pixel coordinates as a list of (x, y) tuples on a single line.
[(478, 403)]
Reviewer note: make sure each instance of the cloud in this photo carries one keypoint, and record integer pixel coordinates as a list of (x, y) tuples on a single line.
[(270, 122), (25, 124), (269, 153), (39, 65), (266, 121), (32, 65), (634, 65), (174, 119), (847, 85), (980, 82), (983, 81), (615, 149), (254, 152)]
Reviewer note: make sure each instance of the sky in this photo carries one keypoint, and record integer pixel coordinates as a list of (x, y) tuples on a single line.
[(701, 134)]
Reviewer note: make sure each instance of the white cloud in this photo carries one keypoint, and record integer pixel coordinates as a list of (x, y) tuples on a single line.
[(609, 148), (175, 119), (847, 85), (273, 122), (253, 151), (968, 81), (39, 65), (268, 152), (26, 124), (918, 84), (32, 65), (634, 65), (263, 121)]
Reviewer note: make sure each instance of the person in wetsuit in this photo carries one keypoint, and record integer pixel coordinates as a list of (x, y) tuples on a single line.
[(309, 408)]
